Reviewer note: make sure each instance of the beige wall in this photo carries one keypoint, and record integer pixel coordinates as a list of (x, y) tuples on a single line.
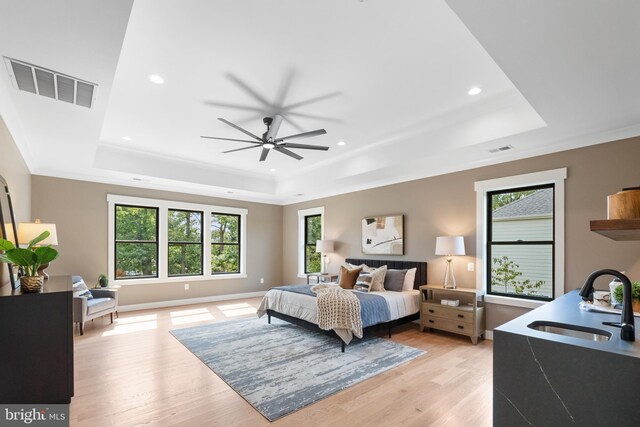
[(447, 205), (16, 173), (79, 210)]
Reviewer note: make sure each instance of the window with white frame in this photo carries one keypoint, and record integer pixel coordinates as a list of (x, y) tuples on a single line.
[(162, 241), (521, 237), (310, 230)]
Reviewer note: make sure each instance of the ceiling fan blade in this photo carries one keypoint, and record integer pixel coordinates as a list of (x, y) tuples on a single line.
[(229, 139), (302, 135), (263, 156), (246, 132), (243, 148), (305, 146), (287, 152)]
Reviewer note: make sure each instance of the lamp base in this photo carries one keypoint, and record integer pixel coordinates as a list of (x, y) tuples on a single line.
[(43, 273), (449, 278)]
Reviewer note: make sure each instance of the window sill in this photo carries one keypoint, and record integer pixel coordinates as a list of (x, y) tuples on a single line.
[(513, 302), (180, 279)]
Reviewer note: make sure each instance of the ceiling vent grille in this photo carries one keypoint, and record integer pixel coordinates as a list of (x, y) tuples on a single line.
[(499, 149), (41, 81)]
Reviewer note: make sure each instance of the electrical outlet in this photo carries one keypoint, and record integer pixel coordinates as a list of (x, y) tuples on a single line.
[(186, 286), (471, 266), (262, 280)]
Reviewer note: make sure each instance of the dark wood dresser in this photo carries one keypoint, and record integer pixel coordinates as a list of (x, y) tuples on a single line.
[(36, 343)]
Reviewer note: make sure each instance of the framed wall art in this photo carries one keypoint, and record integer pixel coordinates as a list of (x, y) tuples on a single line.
[(383, 235)]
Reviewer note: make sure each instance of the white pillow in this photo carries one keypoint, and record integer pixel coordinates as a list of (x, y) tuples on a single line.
[(409, 278)]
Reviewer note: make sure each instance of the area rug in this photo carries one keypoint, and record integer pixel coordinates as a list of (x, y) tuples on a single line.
[(280, 368)]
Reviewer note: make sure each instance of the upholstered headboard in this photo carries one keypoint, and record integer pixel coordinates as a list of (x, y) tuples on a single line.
[(421, 267)]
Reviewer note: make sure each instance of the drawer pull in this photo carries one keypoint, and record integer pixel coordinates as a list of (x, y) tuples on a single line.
[(430, 321), (431, 311), (461, 316), (460, 327)]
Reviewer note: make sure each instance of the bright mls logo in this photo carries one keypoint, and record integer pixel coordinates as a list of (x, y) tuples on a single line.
[(50, 415)]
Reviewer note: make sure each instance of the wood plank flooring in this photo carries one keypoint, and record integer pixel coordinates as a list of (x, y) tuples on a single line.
[(134, 373)]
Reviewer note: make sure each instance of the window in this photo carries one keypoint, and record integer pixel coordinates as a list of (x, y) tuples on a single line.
[(312, 233), (159, 241), (310, 229), (185, 242), (225, 243), (520, 242), (136, 242), (520, 238)]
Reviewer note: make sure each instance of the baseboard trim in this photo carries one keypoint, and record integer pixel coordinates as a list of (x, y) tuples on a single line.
[(188, 301), (488, 335)]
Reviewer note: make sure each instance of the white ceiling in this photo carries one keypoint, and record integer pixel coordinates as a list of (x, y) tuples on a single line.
[(389, 78)]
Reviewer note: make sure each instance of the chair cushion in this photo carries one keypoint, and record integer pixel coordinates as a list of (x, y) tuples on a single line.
[(97, 305)]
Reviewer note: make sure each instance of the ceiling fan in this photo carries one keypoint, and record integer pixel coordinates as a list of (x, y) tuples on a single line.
[(269, 141)]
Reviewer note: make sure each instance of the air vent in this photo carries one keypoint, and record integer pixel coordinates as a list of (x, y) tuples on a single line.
[(41, 81), (499, 149)]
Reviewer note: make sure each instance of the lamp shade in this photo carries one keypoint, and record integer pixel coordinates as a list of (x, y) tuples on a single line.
[(28, 231), (324, 246), (450, 245)]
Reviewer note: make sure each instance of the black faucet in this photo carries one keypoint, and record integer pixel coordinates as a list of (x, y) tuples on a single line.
[(626, 324)]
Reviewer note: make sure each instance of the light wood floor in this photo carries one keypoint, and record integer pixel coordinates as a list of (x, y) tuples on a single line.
[(135, 373)]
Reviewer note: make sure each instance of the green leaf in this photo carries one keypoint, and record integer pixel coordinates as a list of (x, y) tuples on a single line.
[(3, 258), (23, 257), (6, 245), (45, 254), (38, 239)]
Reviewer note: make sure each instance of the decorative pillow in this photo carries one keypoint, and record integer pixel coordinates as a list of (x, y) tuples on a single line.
[(363, 283), (348, 277), (349, 266), (80, 290), (394, 280), (378, 277), (409, 278)]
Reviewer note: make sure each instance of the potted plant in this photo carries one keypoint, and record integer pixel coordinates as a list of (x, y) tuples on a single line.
[(635, 295), (103, 281), (30, 259)]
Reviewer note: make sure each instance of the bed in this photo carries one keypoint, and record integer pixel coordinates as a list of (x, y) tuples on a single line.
[(300, 307)]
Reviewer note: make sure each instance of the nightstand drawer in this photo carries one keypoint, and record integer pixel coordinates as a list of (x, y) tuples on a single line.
[(449, 325), (453, 313)]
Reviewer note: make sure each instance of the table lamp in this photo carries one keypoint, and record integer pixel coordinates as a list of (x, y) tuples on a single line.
[(449, 245), (324, 247)]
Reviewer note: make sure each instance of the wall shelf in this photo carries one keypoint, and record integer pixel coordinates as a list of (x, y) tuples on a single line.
[(617, 229)]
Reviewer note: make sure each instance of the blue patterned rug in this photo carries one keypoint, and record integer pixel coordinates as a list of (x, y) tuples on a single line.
[(281, 368)]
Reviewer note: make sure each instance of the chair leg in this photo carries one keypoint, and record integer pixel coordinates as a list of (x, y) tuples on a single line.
[(81, 324), (111, 317)]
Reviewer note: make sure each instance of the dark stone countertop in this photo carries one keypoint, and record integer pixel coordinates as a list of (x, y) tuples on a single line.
[(565, 309)]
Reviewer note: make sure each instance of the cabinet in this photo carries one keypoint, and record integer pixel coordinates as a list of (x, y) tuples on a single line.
[(465, 319), (36, 343)]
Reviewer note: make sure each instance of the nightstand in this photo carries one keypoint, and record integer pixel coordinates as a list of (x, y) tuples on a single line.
[(465, 319), (322, 277)]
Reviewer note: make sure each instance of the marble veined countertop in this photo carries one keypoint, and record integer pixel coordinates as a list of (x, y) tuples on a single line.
[(566, 309)]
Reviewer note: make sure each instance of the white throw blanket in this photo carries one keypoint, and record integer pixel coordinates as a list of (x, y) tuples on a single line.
[(338, 309)]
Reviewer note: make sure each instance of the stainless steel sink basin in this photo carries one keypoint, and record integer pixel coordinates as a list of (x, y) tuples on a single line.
[(575, 331)]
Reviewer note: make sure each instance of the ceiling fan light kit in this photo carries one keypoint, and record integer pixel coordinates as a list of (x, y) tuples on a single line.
[(269, 140)]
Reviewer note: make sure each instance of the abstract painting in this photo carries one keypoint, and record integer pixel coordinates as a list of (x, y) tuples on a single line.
[(383, 235)]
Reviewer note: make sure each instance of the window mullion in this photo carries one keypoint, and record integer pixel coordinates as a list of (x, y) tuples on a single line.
[(163, 242), (206, 241)]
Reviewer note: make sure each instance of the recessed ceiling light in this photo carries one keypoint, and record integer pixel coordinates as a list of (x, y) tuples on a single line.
[(156, 79), (341, 143), (229, 192), (299, 194), (474, 90), (272, 170), (126, 138)]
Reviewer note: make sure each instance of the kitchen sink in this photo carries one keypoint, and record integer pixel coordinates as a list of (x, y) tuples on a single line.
[(574, 331)]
